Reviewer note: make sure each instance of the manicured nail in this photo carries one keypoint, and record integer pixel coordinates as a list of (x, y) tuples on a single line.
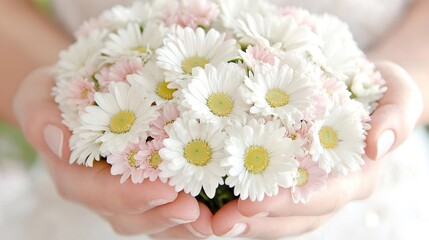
[(158, 202), (180, 221), (236, 231), (194, 232), (261, 215), (385, 143), (54, 138)]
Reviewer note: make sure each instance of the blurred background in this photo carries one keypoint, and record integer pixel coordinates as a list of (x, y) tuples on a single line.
[(31, 209)]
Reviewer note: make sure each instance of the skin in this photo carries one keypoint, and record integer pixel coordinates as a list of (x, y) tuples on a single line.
[(26, 86)]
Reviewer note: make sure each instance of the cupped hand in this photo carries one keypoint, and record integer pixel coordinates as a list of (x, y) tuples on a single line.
[(279, 216), (152, 208)]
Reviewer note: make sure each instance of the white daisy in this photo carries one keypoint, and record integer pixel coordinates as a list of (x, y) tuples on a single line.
[(367, 85), (339, 139), (139, 12), (152, 79), (192, 155), (190, 48), (134, 41), (279, 92), (232, 10), (121, 117), (280, 32), (82, 57), (84, 147), (213, 94), (340, 50), (260, 159)]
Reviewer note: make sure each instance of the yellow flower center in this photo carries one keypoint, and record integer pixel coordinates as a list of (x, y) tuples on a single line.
[(122, 122), (189, 63), (84, 94), (141, 49), (277, 97), (155, 160), (256, 159), (198, 153), (220, 104), (292, 136), (164, 92), (169, 122), (302, 177), (328, 137), (131, 160)]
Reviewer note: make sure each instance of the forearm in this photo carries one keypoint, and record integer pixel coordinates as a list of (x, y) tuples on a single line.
[(408, 45), (27, 40)]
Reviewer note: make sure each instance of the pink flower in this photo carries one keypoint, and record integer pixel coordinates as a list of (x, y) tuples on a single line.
[(300, 132), (334, 87), (193, 13), (168, 113), (81, 93), (301, 16), (257, 55), (119, 71), (150, 159), (310, 180), (125, 163), (331, 89)]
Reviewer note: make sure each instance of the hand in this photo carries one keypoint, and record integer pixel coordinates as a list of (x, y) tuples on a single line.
[(150, 208), (278, 216)]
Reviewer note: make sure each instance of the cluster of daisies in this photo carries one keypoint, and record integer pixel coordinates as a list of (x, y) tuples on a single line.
[(201, 93)]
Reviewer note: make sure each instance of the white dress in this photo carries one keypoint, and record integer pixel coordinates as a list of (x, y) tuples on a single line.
[(398, 210)]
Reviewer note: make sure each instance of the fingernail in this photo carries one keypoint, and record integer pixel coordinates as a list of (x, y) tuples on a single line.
[(158, 202), (54, 138), (385, 143), (194, 232), (261, 215), (236, 231), (180, 221)]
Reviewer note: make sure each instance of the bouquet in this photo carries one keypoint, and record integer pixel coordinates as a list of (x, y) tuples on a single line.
[(220, 99)]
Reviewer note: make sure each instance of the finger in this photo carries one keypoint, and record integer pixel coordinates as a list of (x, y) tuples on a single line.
[(184, 209), (228, 222), (397, 113), (38, 115), (339, 191), (95, 187), (199, 229)]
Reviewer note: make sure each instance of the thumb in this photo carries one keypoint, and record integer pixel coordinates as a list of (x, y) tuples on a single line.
[(397, 113), (39, 117)]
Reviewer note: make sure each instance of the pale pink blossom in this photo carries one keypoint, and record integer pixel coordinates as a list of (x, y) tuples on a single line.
[(168, 114), (81, 93), (118, 72), (311, 179), (302, 17), (193, 14), (334, 87), (150, 159), (331, 89), (125, 163), (257, 55), (300, 132)]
